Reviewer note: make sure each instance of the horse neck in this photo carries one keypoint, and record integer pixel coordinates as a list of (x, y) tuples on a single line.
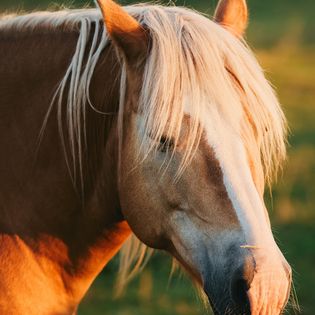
[(54, 245)]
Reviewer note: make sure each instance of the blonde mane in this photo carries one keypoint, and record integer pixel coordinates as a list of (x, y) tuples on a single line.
[(193, 64)]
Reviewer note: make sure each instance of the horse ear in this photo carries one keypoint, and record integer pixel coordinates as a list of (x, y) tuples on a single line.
[(232, 14), (125, 31)]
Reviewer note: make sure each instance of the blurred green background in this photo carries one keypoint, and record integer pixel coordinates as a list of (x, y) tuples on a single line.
[(282, 34)]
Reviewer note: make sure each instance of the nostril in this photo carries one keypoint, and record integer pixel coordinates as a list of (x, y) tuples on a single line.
[(241, 281), (239, 288)]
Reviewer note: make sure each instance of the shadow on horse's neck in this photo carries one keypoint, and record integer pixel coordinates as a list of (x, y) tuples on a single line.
[(54, 246)]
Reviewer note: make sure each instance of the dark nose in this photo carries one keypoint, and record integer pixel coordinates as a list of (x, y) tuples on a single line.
[(230, 290), (240, 285), (241, 281)]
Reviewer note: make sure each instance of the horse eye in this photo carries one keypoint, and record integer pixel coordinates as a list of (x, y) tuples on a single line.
[(166, 144)]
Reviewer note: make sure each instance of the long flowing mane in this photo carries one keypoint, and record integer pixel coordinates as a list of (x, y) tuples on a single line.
[(194, 65)]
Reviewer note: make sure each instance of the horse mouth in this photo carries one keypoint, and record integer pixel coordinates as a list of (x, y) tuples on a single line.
[(229, 310), (222, 305)]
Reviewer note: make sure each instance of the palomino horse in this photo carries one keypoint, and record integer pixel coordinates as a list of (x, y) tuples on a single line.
[(159, 123)]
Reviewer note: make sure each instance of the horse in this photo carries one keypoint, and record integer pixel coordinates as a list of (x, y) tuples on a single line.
[(126, 128)]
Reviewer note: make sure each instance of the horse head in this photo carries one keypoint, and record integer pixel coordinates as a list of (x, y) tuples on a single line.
[(200, 133)]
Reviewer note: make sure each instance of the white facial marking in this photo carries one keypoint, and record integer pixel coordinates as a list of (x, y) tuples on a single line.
[(230, 152), (269, 288)]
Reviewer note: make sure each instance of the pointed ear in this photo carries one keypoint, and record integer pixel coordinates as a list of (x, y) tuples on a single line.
[(128, 35), (232, 14)]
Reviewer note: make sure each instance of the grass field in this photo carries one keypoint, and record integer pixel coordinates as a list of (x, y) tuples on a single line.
[(282, 33)]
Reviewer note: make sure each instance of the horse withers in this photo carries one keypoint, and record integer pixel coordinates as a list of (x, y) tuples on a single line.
[(148, 120)]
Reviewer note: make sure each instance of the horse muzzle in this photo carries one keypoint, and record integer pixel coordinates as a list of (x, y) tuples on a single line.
[(227, 289), (248, 285)]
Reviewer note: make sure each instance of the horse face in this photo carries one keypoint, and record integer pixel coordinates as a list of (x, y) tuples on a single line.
[(212, 218)]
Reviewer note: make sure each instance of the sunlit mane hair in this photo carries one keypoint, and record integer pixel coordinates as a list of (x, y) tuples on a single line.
[(194, 66)]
